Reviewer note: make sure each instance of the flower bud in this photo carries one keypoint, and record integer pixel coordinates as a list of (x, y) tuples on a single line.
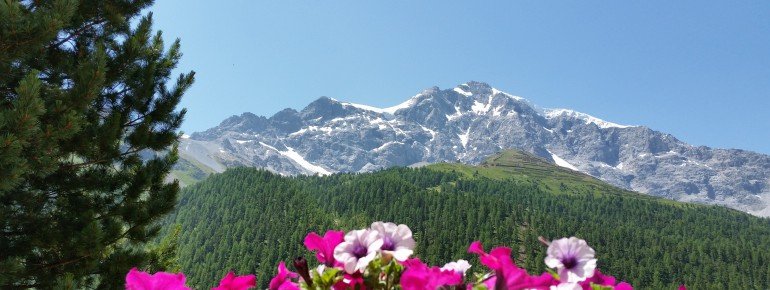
[(302, 269)]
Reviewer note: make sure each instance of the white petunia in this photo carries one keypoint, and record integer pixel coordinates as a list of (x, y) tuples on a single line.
[(359, 248), (396, 240), (460, 267), (567, 286), (320, 269), (572, 258)]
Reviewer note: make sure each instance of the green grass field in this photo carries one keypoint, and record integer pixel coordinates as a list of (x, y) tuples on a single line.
[(524, 167)]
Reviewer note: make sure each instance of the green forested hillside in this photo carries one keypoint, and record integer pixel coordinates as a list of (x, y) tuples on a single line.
[(248, 220)]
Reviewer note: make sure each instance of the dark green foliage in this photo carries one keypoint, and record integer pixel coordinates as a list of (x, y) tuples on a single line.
[(249, 220), (164, 255), (82, 94)]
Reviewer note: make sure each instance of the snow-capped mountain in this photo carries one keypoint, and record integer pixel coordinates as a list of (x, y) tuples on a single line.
[(467, 124)]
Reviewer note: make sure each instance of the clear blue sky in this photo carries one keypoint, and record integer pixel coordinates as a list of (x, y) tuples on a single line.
[(699, 70)]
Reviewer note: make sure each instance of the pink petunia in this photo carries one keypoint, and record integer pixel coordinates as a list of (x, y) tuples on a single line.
[(232, 282), (282, 281), (413, 262), (351, 281), (600, 278), (419, 276), (138, 280), (324, 246), (507, 274), (623, 286)]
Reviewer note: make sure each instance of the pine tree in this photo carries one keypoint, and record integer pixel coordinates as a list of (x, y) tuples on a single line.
[(87, 136)]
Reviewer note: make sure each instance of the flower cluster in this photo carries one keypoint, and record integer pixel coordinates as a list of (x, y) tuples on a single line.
[(138, 280), (380, 257)]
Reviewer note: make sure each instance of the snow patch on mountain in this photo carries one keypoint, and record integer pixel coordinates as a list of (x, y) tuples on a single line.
[(462, 92), (456, 115), (389, 110), (561, 162), (496, 91), (364, 107), (554, 113), (302, 162), (326, 130), (432, 133), (481, 108), (464, 137), (411, 101), (294, 156), (385, 145)]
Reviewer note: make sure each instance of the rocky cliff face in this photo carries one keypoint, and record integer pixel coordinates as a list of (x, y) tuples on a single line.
[(467, 124)]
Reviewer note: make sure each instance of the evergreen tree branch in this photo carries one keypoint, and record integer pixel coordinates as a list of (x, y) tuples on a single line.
[(103, 160), (77, 33)]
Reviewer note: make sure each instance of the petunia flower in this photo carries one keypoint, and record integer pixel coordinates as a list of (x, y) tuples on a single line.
[(413, 262), (232, 282), (350, 281), (320, 269), (359, 248), (623, 286), (567, 286), (324, 246), (282, 281), (572, 258), (507, 274), (603, 280), (138, 280), (396, 239), (491, 259), (419, 276), (461, 266)]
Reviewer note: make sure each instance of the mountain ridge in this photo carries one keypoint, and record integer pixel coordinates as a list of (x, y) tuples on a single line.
[(471, 122)]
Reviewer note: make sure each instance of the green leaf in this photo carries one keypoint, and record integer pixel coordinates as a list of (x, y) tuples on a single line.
[(600, 287)]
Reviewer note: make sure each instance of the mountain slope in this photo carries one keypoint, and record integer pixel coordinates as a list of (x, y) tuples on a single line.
[(469, 123), (248, 219), (515, 164)]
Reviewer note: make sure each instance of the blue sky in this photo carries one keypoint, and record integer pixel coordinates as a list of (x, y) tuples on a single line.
[(699, 70)]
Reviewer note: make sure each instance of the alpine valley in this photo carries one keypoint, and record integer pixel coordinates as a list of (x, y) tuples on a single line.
[(467, 124)]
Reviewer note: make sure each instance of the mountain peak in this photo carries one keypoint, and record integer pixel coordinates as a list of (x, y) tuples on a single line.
[(325, 99), (474, 85), (323, 108), (473, 88)]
